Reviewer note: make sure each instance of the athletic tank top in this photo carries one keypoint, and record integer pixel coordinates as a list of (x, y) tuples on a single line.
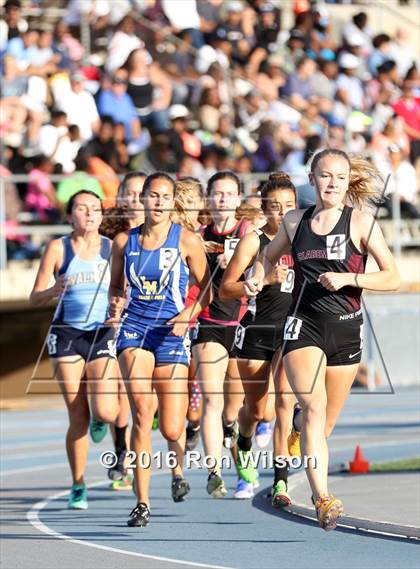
[(85, 300), (271, 305), (141, 92), (157, 279), (228, 312), (316, 254)]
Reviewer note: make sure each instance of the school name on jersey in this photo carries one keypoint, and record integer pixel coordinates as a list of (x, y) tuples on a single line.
[(86, 277), (150, 290), (312, 254)]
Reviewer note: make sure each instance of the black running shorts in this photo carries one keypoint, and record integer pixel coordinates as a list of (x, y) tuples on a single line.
[(63, 340), (206, 331), (339, 336), (258, 341)]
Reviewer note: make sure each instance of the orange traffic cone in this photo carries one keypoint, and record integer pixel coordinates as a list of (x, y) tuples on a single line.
[(359, 464)]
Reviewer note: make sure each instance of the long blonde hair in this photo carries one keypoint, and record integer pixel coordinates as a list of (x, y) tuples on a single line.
[(366, 185), (186, 188)]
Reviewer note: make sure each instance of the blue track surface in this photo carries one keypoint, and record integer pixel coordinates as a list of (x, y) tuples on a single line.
[(226, 533)]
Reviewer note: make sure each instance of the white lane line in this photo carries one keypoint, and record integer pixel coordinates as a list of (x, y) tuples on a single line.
[(32, 469), (33, 517)]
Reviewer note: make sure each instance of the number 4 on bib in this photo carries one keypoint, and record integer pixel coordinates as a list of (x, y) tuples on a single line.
[(292, 328), (336, 247)]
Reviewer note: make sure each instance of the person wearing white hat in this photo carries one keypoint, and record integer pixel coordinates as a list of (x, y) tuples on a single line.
[(349, 87)]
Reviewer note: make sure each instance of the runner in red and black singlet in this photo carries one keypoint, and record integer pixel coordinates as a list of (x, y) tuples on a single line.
[(323, 331), (213, 346)]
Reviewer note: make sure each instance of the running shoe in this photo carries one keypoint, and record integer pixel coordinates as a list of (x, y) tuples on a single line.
[(193, 436), (279, 496), (244, 490), (328, 510), (263, 434), (216, 486), (97, 430), (139, 516), (126, 483), (293, 443), (155, 424), (293, 440), (78, 497), (256, 483), (118, 471), (179, 489), (246, 469), (230, 434)]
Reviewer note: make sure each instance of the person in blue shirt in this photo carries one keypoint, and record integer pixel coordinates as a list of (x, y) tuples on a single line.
[(114, 101), (155, 259), (79, 345)]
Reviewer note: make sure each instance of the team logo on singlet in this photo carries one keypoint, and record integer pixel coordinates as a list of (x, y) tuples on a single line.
[(149, 290)]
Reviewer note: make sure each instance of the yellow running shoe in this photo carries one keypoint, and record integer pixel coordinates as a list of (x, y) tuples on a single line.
[(293, 443), (125, 483), (328, 510)]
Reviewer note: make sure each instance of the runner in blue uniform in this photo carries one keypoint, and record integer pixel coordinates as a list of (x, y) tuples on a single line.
[(153, 345), (324, 329), (79, 345)]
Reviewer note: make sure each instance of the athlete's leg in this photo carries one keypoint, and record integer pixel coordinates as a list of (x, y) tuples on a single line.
[(270, 405), (255, 380), (137, 367), (305, 369), (339, 380), (212, 360), (103, 377), (285, 400), (194, 401), (69, 372), (171, 385)]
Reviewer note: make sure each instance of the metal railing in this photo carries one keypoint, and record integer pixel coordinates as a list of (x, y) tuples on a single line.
[(398, 233)]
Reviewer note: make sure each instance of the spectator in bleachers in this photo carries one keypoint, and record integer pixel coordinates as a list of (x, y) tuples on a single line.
[(78, 104), (149, 88), (78, 180), (403, 183), (66, 46), (12, 25), (122, 43), (408, 108), (41, 196)]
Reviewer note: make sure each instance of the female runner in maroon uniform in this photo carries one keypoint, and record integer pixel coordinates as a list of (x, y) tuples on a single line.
[(329, 243), (259, 337)]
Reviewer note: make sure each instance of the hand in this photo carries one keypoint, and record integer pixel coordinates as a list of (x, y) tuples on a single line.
[(277, 275), (59, 286), (213, 247), (115, 308), (253, 286), (179, 326), (223, 260), (334, 281)]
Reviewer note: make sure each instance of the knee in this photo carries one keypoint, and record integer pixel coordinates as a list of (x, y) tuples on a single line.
[(255, 412), (143, 419), (329, 427), (105, 415), (171, 432), (79, 420), (315, 412)]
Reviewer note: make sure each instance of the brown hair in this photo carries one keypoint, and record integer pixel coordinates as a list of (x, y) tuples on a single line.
[(366, 185), (276, 181), (114, 221)]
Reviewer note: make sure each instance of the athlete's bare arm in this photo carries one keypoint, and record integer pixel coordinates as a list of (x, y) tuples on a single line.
[(50, 263), (243, 256), (280, 245), (367, 236), (193, 253), (116, 293)]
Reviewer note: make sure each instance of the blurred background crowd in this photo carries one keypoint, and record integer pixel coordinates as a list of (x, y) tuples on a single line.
[(92, 89)]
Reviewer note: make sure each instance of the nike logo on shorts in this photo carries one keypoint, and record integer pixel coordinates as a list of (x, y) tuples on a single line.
[(354, 355)]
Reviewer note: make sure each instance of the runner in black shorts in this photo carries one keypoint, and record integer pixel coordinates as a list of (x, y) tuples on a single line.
[(79, 344), (329, 243), (213, 345), (259, 338)]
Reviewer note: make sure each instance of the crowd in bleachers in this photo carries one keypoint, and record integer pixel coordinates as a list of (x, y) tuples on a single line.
[(196, 86)]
